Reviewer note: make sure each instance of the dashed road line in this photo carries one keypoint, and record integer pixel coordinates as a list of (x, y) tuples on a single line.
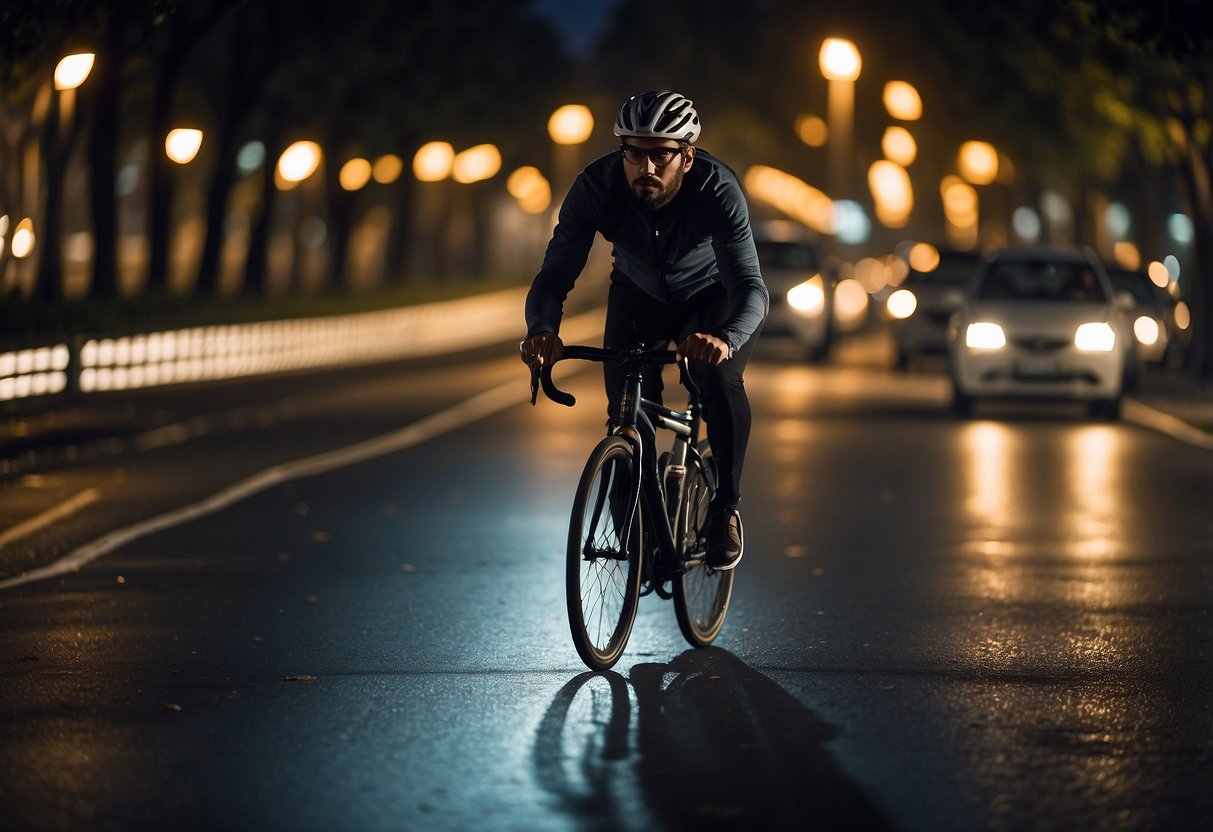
[(41, 521)]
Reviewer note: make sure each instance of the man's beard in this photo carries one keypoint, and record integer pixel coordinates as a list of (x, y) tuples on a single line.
[(658, 199)]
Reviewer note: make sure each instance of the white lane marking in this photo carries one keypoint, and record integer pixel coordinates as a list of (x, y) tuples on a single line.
[(462, 414), (41, 521), (1148, 417)]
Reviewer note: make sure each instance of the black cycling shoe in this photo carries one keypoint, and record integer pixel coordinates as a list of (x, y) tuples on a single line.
[(726, 542)]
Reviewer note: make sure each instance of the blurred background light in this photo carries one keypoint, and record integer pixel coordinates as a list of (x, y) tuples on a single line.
[(355, 174), (1179, 226), (898, 146), (182, 144), (571, 124), (23, 239), (387, 169), (250, 157), (977, 162), (72, 71), (1126, 254), (1172, 264), (792, 196), (902, 101), (892, 193), (851, 222), (1118, 219), (530, 188), (924, 257), (1158, 273), (812, 130), (432, 161), (839, 60), (298, 162), (476, 164)]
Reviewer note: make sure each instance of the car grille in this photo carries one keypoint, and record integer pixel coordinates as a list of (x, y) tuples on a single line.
[(1040, 344)]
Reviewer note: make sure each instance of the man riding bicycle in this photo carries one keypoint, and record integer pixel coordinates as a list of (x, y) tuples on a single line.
[(685, 269)]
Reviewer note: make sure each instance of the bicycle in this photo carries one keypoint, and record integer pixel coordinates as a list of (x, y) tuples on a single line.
[(639, 522)]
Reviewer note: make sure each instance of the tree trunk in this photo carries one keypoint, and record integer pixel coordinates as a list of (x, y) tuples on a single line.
[(49, 286), (256, 274), (104, 90)]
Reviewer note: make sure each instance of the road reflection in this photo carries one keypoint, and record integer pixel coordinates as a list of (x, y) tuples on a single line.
[(704, 742)]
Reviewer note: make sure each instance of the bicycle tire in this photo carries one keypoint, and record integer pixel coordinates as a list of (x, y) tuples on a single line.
[(701, 594), (602, 576)]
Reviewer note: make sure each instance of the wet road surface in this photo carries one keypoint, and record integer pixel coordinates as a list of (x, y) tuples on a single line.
[(1002, 623)]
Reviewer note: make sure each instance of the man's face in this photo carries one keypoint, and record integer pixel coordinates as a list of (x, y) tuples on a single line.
[(655, 185)]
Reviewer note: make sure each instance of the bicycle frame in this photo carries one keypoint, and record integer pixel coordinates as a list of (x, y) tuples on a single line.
[(638, 421), (610, 562)]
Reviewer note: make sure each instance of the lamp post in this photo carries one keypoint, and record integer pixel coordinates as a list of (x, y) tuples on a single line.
[(569, 127), (69, 74), (840, 65)]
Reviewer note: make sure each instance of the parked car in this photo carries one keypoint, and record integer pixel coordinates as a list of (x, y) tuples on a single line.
[(1041, 323), (802, 293), (1159, 338), (920, 307)]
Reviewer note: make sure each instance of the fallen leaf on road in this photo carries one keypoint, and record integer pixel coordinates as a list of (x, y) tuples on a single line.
[(299, 678)]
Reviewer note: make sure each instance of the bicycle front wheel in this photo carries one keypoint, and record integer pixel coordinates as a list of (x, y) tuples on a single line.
[(603, 569), (701, 594)]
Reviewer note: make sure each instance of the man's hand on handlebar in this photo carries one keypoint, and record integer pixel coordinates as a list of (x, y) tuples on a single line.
[(543, 348), (701, 346)]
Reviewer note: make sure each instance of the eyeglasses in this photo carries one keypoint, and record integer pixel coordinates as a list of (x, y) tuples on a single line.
[(659, 156)]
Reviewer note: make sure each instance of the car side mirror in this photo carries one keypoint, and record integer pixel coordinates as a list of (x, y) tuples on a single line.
[(1125, 301)]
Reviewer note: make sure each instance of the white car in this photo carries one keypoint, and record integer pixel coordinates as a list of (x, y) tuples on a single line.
[(802, 294), (1040, 323)]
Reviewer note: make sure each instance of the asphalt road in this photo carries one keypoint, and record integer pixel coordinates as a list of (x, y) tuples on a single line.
[(335, 601)]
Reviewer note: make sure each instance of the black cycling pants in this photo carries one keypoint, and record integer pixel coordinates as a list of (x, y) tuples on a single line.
[(633, 317)]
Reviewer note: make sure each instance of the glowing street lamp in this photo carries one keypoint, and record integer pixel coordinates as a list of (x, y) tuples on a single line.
[(182, 144), (840, 65), (72, 71), (902, 101), (297, 163), (569, 126), (476, 164), (433, 161), (977, 162)]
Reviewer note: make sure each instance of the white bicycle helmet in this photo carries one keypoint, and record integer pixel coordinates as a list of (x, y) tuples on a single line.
[(658, 114)]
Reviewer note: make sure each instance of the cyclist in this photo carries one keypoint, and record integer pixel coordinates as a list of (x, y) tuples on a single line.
[(684, 269)]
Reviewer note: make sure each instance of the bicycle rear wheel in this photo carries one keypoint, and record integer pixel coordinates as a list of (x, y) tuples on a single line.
[(701, 595), (603, 571)]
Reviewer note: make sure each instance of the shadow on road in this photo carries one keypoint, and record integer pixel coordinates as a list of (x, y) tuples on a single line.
[(704, 742)]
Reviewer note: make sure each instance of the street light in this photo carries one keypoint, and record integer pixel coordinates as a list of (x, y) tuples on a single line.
[(297, 163), (840, 65), (569, 126), (72, 70), (182, 144)]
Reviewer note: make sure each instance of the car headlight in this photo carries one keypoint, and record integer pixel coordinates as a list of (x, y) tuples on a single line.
[(985, 336), (1146, 329), (1095, 338), (808, 298), (901, 304)]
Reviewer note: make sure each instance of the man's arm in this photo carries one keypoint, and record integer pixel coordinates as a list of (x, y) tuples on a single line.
[(563, 261)]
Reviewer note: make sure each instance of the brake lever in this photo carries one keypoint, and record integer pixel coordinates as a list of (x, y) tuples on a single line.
[(534, 385)]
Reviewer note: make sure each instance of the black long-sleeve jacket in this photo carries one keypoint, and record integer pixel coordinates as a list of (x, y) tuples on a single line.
[(702, 237)]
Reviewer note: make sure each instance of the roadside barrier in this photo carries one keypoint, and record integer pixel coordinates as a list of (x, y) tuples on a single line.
[(85, 365)]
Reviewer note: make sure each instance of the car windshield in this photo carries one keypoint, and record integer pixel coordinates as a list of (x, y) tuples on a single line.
[(777, 255), (1047, 280)]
